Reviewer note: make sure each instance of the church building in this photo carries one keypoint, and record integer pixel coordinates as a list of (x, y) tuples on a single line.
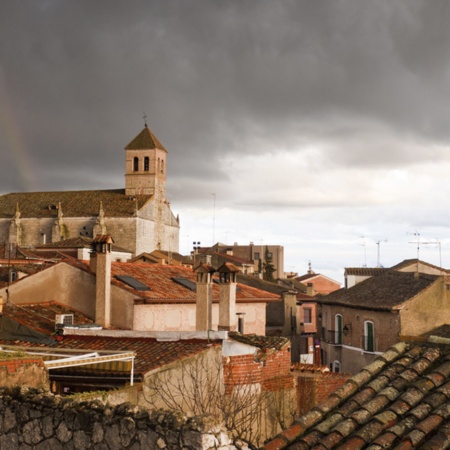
[(138, 217)]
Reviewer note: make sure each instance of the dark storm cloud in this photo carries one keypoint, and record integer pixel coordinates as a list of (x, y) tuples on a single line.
[(218, 78)]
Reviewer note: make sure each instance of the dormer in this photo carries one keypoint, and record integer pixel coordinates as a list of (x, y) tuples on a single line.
[(145, 169)]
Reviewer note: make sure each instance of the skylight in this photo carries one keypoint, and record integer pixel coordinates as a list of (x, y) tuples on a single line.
[(186, 283), (132, 282)]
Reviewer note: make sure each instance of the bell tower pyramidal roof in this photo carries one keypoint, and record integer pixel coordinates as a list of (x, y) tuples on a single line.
[(145, 169), (145, 140)]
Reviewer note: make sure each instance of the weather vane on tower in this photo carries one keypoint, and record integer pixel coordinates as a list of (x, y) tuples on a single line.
[(144, 116)]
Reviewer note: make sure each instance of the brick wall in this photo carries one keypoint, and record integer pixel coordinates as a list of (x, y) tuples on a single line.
[(23, 372), (271, 371), (313, 388)]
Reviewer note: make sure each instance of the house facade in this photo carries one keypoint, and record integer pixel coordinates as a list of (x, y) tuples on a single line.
[(138, 216), (251, 254), (361, 322)]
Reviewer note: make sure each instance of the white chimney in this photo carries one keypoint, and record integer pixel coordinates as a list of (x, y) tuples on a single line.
[(101, 247), (203, 309), (227, 301)]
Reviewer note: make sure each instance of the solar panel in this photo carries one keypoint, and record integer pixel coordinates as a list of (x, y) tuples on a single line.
[(186, 283), (131, 281)]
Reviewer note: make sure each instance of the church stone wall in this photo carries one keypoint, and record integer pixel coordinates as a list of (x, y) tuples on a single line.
[(32, 419)]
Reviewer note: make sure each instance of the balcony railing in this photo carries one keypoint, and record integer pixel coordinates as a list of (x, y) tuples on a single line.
[(332, 336), (368, 343)]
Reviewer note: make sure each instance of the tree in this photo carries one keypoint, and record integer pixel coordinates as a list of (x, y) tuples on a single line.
[(268, 267), (196, 386)]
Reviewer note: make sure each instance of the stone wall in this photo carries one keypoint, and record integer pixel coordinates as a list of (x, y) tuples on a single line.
[(32, 419), (22, 371)]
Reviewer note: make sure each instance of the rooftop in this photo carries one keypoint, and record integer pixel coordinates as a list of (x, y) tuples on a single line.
[(383, 292), (163, 287), (400, 401), (73, 203)]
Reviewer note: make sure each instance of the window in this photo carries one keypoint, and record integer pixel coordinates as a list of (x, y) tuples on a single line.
[(146, 164), (307, 315), (338, 329), (256, 256), (269, 255), (135, 164), (162, 166), (369, 337)]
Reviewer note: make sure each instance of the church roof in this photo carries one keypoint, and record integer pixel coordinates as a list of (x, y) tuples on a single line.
[(73, 203), (145, 140)]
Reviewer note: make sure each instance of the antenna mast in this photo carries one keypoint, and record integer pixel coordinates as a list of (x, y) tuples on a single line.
[(365, 252), (378, 251)]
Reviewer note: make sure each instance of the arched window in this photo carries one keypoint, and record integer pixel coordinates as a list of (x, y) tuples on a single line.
[(146, 164), (338, 329), (162, 166), (336, 366), (369, 336), (135, 164)]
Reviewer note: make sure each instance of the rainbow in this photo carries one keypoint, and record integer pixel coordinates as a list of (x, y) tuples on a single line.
[(15, 145)]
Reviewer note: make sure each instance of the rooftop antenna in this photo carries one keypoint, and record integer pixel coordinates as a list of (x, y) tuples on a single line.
[(365, 252), (378, 252), (417, 234), (438, 243), (214, 218)]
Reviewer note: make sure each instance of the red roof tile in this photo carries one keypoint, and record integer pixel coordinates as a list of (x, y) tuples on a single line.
[(408, 408)]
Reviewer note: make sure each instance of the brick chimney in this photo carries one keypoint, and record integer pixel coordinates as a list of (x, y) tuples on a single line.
[(101, 265), (310, 289), (203, 310), (227, 301)]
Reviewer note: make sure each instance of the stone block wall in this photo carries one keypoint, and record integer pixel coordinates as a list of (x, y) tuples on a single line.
[(32, 419)]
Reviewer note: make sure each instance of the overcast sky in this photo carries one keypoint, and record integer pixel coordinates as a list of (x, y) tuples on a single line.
[(322, 126)]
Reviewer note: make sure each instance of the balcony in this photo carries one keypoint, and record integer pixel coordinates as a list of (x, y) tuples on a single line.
[(367, 343), (332, 337)]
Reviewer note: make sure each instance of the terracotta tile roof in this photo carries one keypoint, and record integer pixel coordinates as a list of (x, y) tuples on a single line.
[(28, 267), (159, 278), (365, 271), (41, 317), (258, 283), (383, 292), (302, 367), (262, 342), (401, 400), (145, 140), (73, 203), (150, 353), (409, 262)]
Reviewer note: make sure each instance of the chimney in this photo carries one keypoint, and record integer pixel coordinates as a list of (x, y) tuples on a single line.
[(101, 253), (203, 310), (227, 300), (310, 289)]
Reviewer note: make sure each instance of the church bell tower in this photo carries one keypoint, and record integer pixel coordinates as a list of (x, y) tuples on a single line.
[(145, 170)]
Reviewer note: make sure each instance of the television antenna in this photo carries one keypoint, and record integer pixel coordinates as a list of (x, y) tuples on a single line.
[(418, 242), (378, 251), (365, 251)]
